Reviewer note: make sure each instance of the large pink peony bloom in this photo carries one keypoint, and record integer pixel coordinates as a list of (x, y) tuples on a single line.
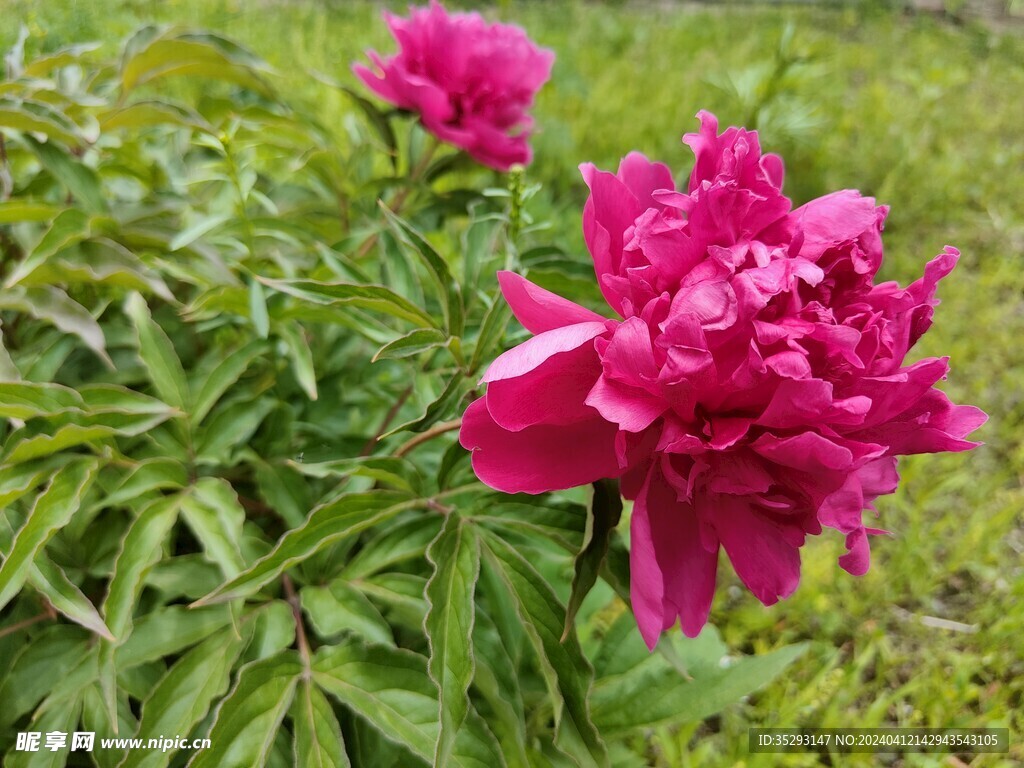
[(753, 392), (471, 82)]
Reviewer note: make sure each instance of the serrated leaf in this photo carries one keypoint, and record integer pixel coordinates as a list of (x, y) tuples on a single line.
[(223, 377), (455, 557), (53, 306), (158, 355), (566, 671), (294, 338), (450, 293), (652, 692), (373, 297), (339, 606), (246, 721), (329, 523), (605, 512), (318, 740), (51, 512), (390, 688), (183, 696), (414, 342)]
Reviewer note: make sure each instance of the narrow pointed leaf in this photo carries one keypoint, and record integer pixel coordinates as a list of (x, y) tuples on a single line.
[(158, 355), (605, 511), (566, 671), (318, 740), (51, 512), (335, 521), (246, 721), (455, 556)]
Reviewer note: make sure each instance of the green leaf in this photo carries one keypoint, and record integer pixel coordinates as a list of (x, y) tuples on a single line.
[(446, 403), (339, 606), (396, 471), (398, 543), (455, 556), (563, 522), (140, 548), (53, 306), (184, 694), (39, 667), (390, 689), (149, 113), (213, 513), (69, 227), (68, 436), (377, 119), (605, 512), (26, 400), (258, 309), (294, 338), (335, 521), (373, 297), (318, 740), (166, 631), (492, 329), (51, 512), (50, 580), (223, 377), (450, 292), (56, 714), (16, 211), (80, 180), (147, 476), (192, 233), (191, 55), (158, 355), (37, 117), (565, 669), (652, 692), (246, 722), (414, 342)]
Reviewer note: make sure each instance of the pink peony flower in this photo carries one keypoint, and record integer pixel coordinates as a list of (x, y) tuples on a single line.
[(471, 82), (754, 391)]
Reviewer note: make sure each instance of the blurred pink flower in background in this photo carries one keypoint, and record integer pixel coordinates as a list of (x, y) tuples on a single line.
[(471, 82), (753, 392)]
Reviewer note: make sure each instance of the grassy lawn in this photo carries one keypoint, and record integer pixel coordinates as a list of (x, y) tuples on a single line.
[(926, 117)]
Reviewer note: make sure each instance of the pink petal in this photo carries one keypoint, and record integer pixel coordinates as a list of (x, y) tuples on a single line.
[(540, 458), (540, 310), (533, 352)]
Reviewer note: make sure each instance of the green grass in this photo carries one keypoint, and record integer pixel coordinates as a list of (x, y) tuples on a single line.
[(925, 116)]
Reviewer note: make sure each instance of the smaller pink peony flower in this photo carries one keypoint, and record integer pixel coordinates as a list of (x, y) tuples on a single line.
[(471, 82), (754, 391)]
